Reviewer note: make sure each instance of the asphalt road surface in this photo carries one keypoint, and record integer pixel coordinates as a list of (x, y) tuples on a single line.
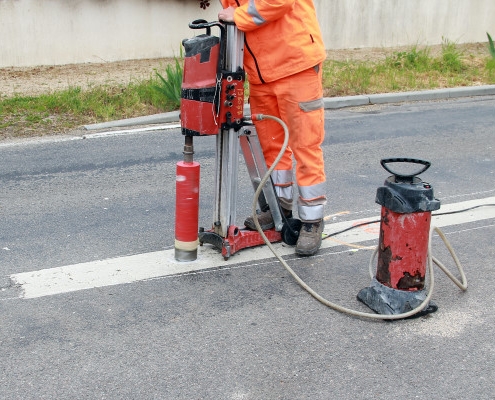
[(76, 215)]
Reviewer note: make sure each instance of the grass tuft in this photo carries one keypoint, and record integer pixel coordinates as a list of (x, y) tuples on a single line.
[(491, 45), (170, 87)]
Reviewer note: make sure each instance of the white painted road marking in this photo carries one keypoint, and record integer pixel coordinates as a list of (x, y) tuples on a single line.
[(140, 267)]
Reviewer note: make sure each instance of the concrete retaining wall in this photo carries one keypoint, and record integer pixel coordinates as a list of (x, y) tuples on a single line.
[(389, 23), (55, 32)]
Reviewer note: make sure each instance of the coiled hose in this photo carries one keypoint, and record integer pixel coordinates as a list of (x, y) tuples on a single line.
[(462, 284)]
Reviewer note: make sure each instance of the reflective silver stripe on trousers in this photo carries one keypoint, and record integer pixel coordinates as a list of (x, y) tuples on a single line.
[(311, 202), (316, 192), (312, 105), (312, 213), (283, 181)]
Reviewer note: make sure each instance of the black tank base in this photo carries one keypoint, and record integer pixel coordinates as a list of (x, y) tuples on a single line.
[(387, 301)]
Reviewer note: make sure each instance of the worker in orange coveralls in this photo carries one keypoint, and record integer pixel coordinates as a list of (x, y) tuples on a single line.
[(283, 54)]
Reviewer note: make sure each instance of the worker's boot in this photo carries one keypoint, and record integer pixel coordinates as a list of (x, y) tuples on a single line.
[(265, 219), (309, 240)]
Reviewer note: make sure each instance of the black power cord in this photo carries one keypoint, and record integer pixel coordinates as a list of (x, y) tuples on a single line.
[(376, 221)]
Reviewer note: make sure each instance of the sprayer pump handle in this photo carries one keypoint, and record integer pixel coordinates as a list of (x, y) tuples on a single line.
[(400, 176)]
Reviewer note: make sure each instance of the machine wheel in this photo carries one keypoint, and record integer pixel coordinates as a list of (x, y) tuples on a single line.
[(290, 231)]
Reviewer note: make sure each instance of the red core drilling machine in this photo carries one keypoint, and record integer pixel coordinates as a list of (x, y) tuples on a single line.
[(212, 104)]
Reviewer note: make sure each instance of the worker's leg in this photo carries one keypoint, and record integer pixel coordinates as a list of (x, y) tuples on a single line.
[(300, 105), (300, 99)]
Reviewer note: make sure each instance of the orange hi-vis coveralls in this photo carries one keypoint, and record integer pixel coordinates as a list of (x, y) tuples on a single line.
[(283, 53)]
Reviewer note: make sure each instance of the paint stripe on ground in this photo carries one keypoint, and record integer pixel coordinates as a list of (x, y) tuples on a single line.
[(140, 267)]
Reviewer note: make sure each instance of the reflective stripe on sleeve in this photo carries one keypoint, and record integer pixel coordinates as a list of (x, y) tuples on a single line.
[(252, 10)]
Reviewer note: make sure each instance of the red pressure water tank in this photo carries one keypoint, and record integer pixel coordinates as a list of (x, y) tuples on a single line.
[(407, 203)]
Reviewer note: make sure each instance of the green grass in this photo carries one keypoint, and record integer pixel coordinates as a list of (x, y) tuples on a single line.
[(490, 65), (62, 110), (412, 69), (170, 86), (491, 46)]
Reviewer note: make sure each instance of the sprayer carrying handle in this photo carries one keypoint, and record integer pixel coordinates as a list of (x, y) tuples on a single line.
[(204, 24), (401, 176)]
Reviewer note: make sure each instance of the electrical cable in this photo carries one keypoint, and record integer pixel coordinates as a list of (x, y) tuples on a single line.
[(377, 220), (350, 228), (431, 260)]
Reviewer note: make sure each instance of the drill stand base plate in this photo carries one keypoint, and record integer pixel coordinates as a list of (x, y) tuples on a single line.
[(237, 239)]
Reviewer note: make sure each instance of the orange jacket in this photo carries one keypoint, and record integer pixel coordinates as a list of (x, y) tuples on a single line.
[(282, 37)]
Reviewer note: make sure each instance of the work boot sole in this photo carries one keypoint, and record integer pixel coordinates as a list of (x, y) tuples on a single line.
[(308, 252)]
